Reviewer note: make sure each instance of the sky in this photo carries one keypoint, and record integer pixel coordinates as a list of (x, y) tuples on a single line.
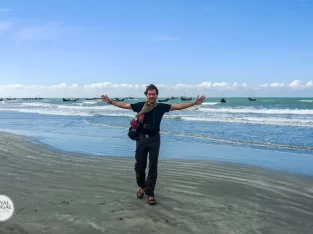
[(214, 47)]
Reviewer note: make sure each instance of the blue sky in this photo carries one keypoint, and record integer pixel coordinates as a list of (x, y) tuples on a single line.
[(263, 46)]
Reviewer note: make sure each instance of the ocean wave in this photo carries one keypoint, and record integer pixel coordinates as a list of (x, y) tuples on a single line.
[(305, 100), (253, 120), (105, 107), (258, 111), (36, 104), (232, 141), (90, 102), (188, 116), (232, 119), (208, 107), (49, 112), (210, 103)]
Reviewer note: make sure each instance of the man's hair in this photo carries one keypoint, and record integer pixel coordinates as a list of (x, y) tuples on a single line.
[(151, 87)]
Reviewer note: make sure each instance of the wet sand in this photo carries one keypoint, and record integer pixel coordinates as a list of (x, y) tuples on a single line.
[(58, 192)]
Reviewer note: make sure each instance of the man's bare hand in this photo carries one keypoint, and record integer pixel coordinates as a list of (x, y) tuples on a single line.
[(106, 99), (199, 100)]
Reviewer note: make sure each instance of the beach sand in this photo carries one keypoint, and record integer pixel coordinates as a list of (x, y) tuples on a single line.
[(58, 192)]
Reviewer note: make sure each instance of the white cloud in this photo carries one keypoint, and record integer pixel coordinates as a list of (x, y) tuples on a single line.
[(220, 85), (272, 85), (106, 84), (298, 84), (48, 31), (236, 85), (93, 86), (5, 25), (206, 85), (113, 85), (244, 85), (5, 9), (62, 86), (183, 86), (295, 84), (123, 90), (277, 85), (16, 86)]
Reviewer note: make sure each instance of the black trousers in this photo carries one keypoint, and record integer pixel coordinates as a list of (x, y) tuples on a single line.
[(145, 145)]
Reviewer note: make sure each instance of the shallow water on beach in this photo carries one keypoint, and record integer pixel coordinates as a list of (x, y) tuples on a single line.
[(271, 132)]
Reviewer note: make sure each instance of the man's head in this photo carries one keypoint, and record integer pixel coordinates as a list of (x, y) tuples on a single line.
[(151, 93)]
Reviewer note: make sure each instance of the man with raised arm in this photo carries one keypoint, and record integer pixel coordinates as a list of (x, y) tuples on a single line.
[(149, 116)]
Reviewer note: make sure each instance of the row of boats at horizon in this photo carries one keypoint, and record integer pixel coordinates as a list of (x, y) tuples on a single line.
[(183, 98)]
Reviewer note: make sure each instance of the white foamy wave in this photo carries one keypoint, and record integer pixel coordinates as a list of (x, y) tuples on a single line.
[(49, 111), (256, 120), (36, 104), (90, 102), (55, 112), (257, 111), (306, 100), (210, 103), (266, 144), (73, 111), (106, 107)]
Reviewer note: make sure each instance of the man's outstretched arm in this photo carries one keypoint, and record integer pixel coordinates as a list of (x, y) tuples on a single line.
[(122, 105), (182, 106)]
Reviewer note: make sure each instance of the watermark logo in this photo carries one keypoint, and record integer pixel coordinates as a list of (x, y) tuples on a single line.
[(6, 208)]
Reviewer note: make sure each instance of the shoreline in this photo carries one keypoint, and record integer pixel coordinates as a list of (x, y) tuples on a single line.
[(63, 192), (250, 157)]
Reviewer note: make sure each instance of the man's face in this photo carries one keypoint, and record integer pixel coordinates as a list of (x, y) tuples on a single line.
[(152, 96)]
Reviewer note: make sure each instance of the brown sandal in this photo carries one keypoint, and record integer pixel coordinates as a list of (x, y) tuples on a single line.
[(140, 194), (151, 201)]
